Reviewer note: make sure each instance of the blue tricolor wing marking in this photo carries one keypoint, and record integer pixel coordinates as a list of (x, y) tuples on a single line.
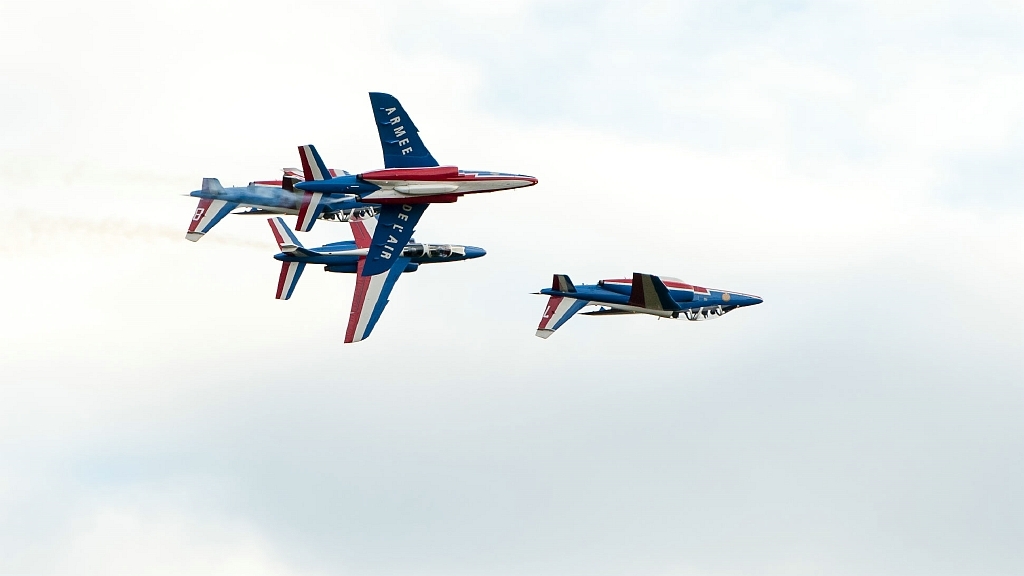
[(290, 273), (370, 298), (394, 229), (206, 216), (558, 310), (399, 138)]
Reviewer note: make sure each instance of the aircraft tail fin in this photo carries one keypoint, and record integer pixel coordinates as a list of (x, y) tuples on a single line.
[(286, 239), (212, 185), (290, 270), (558, 310), (562, 283), (399, 138), (650, 292)]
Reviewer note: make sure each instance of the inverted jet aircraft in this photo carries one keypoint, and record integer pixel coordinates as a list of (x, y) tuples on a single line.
[(644, 294), (268, 197), (371, 294), (411, 180)]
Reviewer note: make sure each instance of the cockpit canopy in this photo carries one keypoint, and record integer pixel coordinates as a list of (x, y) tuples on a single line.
[(433, 251)]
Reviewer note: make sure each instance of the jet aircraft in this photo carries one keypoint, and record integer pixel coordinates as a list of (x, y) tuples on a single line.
[(410, 181), (268, 197), (371, 293), (644, 294)]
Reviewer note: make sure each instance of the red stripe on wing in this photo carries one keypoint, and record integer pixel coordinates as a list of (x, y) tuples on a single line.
[(362, 284)]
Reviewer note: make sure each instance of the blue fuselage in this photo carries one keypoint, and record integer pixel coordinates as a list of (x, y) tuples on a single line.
[(344, 256), (619, 293), (274, 198)]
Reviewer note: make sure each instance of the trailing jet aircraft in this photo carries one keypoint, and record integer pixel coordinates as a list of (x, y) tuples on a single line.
[(268, 197), (371, 294), (644, 294), (411, 179)]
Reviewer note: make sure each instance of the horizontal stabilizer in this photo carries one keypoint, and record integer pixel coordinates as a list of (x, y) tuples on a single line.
[(313, 167), (208, 214), (310, 208), (648, 291), (290, 273), (558, 310), (399, 138)]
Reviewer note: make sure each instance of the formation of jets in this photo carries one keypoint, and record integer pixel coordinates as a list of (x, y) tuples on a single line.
[(382, 208)]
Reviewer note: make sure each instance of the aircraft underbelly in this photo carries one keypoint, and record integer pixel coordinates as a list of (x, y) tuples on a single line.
[(637, 309), (413, 189)]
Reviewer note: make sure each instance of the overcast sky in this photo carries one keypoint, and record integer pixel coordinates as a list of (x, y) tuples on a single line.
[(856, 164)]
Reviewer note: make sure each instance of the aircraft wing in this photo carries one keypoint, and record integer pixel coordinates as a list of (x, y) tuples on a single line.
[(370, 298), (399, 138), (312, 203), (206, 216), (362, 230), (395, 225)]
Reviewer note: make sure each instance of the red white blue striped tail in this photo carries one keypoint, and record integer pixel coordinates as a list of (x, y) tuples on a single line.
[(558, 310), (290, 273), (285, 238)]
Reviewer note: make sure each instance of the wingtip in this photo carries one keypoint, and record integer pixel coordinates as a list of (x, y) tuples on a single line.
[(193, 236), (544, 333)]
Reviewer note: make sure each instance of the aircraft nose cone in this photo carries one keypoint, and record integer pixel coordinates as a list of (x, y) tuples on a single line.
[(754, 300), (474, 252)]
